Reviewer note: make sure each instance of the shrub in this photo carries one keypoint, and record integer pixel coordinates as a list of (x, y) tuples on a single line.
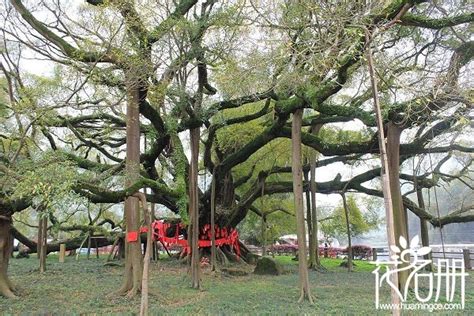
[(332, 252), (284, 249), (361, 252)]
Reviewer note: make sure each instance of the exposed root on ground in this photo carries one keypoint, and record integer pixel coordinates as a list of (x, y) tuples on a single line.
[(304, 295), (319, 268), (133, 292), (7, 292)]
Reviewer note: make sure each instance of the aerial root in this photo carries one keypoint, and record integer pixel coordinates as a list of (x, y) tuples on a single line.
[(133, 292), (319, 268), (303, 295), (123, 290)]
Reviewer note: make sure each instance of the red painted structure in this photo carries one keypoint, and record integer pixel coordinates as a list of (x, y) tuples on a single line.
[(223, 236)]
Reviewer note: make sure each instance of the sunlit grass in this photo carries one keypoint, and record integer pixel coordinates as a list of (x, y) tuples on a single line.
[(329, 263)]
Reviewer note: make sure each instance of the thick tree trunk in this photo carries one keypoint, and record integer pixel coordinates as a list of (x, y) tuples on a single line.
[(348, 231), (220, 206), (194, 209), (399, 212), (6, 245), (225, 191), (225, 201), (133, 253), (299, 208)]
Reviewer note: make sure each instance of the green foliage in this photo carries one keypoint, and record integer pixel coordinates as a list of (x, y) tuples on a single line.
[(252, 74), (49, 181), (278, 223), (233, 137), (360, 222), (3, 100), (336, 135)]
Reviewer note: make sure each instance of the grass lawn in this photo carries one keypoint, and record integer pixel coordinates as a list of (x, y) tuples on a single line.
[(84, 286)]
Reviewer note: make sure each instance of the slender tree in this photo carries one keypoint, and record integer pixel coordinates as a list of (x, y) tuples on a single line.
[(314, 261), (194, 210), (149, 248), (348, 232), (296, 167), (213, 224), (42, 241), (309, 219), (385, 171)]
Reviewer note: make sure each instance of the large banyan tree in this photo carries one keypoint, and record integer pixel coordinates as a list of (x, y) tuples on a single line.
[(130, 81)]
